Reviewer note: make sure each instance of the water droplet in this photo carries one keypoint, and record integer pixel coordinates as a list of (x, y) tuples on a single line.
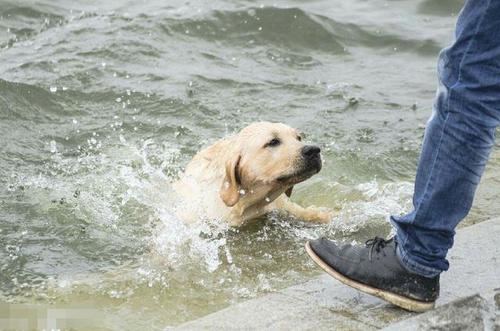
[(53, 147), (260, 28), (53, 89), (118, 100), (267, 199), (242, 192)]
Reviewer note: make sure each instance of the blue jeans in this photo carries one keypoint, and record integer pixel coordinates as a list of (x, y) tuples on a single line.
[(458, 140)]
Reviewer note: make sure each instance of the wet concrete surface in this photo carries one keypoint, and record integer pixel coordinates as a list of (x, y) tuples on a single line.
[(467, 288), (474, 313)]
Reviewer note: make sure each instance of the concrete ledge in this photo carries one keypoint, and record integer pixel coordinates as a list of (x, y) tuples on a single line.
[(477, 312), (324, 303)]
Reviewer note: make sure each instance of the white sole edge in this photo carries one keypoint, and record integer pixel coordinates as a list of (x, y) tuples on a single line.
[(397, 300)]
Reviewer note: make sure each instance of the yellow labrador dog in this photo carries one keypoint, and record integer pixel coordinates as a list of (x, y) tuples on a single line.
[(248, 175)]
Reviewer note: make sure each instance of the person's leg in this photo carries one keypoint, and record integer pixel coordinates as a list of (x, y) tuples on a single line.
[(457, 143), (458, 140)]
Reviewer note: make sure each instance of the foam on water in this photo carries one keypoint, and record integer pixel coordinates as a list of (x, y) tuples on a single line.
[(376, 204), (120, 176)]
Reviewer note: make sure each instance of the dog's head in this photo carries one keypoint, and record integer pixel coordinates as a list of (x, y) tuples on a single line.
[(266, 159)]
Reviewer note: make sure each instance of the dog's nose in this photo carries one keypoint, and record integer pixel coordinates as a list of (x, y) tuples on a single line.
[(310, 151)]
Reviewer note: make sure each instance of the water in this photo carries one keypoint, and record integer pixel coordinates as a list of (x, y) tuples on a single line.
[(103, 103)]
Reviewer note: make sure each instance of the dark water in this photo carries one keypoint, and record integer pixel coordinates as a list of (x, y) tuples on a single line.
[(102, 103)]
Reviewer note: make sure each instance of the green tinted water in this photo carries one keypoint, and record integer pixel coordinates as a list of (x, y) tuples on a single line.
[(101, 104)]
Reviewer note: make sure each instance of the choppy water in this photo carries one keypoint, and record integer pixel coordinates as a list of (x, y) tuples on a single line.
[(102, 103)]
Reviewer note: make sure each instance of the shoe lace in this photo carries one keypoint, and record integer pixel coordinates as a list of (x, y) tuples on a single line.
[(376, 244)]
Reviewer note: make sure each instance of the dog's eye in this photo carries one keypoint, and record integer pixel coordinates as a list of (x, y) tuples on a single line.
[(299, 138), (273, 143)]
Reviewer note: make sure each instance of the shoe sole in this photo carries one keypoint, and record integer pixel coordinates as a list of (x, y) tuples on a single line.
[(395, 299)]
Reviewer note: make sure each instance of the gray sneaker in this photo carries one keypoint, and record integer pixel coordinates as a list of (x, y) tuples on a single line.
[(375, 269)]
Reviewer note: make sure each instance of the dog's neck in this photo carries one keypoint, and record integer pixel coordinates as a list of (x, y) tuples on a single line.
[(253, 202)]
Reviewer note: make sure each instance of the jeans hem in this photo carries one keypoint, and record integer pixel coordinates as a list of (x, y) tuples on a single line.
[(411, 266)]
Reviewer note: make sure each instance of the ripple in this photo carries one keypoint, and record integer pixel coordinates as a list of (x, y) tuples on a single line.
[(285, 28), (292, 29), (440, 8), (103, 103), (25, 22)]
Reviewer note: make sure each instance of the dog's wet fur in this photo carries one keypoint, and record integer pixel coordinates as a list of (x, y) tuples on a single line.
[(248, 175)]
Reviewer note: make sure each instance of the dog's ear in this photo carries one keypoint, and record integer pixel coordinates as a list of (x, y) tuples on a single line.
[(288, 192), (230, 190)]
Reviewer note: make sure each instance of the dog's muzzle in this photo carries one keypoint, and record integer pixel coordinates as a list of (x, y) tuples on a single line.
[(312, 158), (310, 164)]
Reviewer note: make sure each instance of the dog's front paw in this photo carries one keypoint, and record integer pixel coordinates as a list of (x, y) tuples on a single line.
[(321, 214), (325, 217)]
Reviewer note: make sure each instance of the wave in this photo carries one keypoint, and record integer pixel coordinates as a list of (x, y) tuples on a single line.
[(291, 29), (285, 29), (25, 22)]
